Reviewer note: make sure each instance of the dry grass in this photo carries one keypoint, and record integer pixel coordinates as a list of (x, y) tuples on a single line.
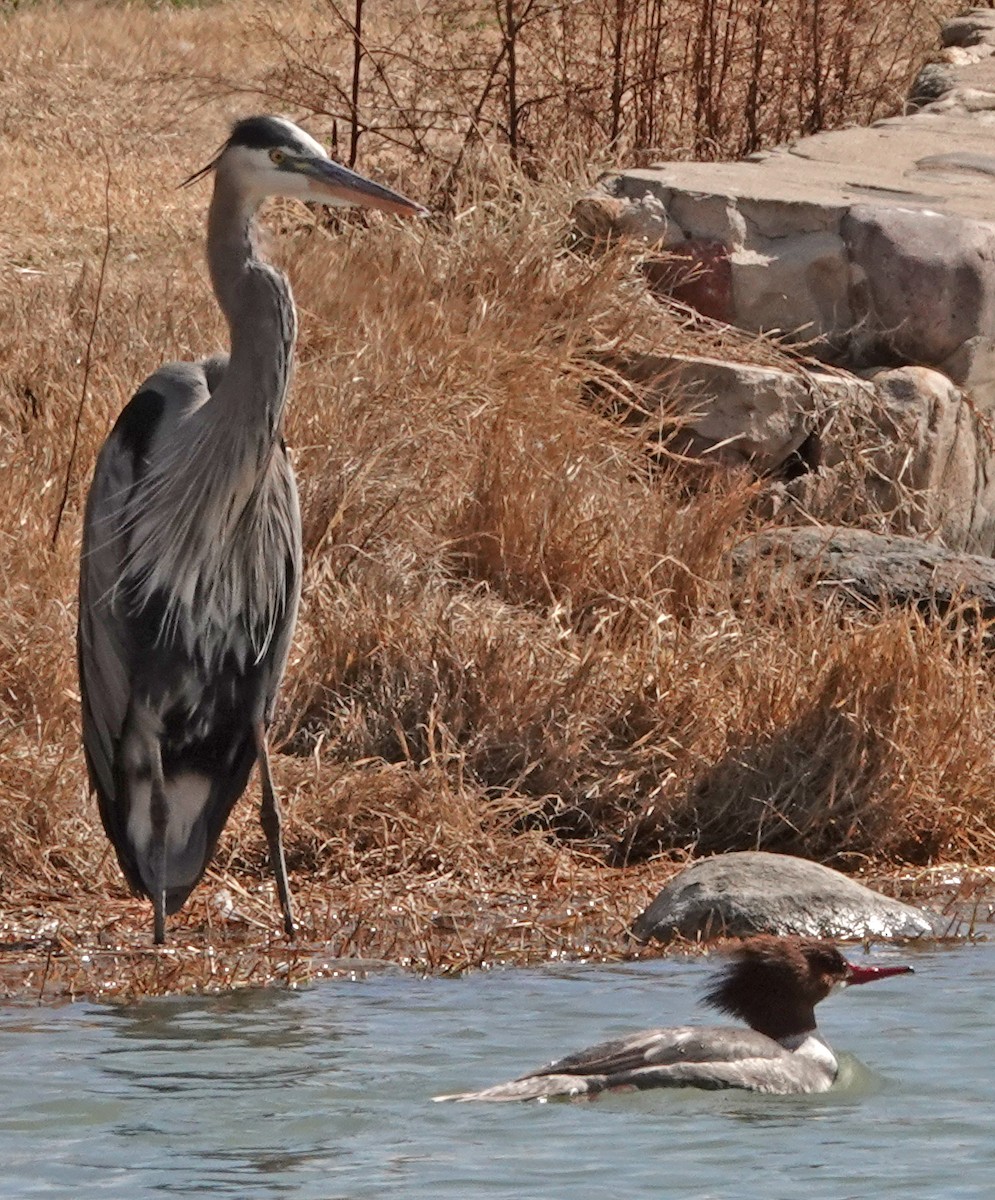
[(522, 666)]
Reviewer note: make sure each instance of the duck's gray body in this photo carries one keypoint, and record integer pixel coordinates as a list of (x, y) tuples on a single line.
[(773, 984), (689, 1056)]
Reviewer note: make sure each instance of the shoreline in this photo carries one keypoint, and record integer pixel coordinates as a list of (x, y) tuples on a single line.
[(102, 952), (523, 654)]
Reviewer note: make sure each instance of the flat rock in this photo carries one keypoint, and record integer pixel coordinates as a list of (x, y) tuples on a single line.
[(874, 569), (740, 894)]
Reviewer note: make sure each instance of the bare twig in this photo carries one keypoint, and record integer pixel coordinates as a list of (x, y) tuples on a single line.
[(88, 356)]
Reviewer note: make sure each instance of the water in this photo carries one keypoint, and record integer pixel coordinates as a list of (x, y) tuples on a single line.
[(325, 1094)]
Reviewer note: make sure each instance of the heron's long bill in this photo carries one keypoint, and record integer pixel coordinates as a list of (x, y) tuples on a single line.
[(348, 187)]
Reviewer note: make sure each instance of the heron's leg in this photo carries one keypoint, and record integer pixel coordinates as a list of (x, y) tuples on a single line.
[(269, 816), (158, 817), (140, 758)]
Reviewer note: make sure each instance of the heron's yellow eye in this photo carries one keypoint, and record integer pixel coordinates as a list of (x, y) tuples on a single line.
[(277, 156)]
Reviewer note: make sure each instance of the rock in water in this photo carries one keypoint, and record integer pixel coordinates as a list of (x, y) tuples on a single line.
[(739, 894)]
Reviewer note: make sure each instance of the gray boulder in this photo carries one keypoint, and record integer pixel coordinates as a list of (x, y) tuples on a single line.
[(724, 413), (740, 894), (973, 28), (922, 284), (902, 446)]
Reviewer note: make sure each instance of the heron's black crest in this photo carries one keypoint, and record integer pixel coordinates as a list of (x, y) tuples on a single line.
[(254, 133), (197, 176), (262, 133)]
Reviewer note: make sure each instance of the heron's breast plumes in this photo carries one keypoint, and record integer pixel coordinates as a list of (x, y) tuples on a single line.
[(218, 571)]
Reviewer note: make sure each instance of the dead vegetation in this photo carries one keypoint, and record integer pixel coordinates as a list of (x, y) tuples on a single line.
[(523, 668), (555, 86)]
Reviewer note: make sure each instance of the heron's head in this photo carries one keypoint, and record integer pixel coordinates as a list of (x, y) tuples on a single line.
[(271, 156)]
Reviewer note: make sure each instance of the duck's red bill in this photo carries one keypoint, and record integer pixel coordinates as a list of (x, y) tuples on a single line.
[(869, 974)]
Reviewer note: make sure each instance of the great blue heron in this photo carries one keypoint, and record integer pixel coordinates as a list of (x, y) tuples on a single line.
[(191, 563)]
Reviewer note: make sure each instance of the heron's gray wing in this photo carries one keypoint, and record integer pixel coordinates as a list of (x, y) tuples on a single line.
[(101, 644), (104, 650)]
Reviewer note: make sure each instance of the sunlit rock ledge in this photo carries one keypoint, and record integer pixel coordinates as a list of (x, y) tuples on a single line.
[(874, 249), (874, 245)]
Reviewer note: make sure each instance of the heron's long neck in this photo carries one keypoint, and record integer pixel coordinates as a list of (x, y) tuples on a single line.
[(259, 308), (213, 497)]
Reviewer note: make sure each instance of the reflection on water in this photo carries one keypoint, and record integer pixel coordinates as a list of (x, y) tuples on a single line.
[(326, 1094)]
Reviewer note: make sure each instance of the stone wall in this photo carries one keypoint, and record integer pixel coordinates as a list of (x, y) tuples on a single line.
[(875, 248)]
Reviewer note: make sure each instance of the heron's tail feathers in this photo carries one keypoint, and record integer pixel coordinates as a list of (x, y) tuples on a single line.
[(188, 843)]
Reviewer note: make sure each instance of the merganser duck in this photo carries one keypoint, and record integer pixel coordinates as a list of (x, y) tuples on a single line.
[(773, 984)]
